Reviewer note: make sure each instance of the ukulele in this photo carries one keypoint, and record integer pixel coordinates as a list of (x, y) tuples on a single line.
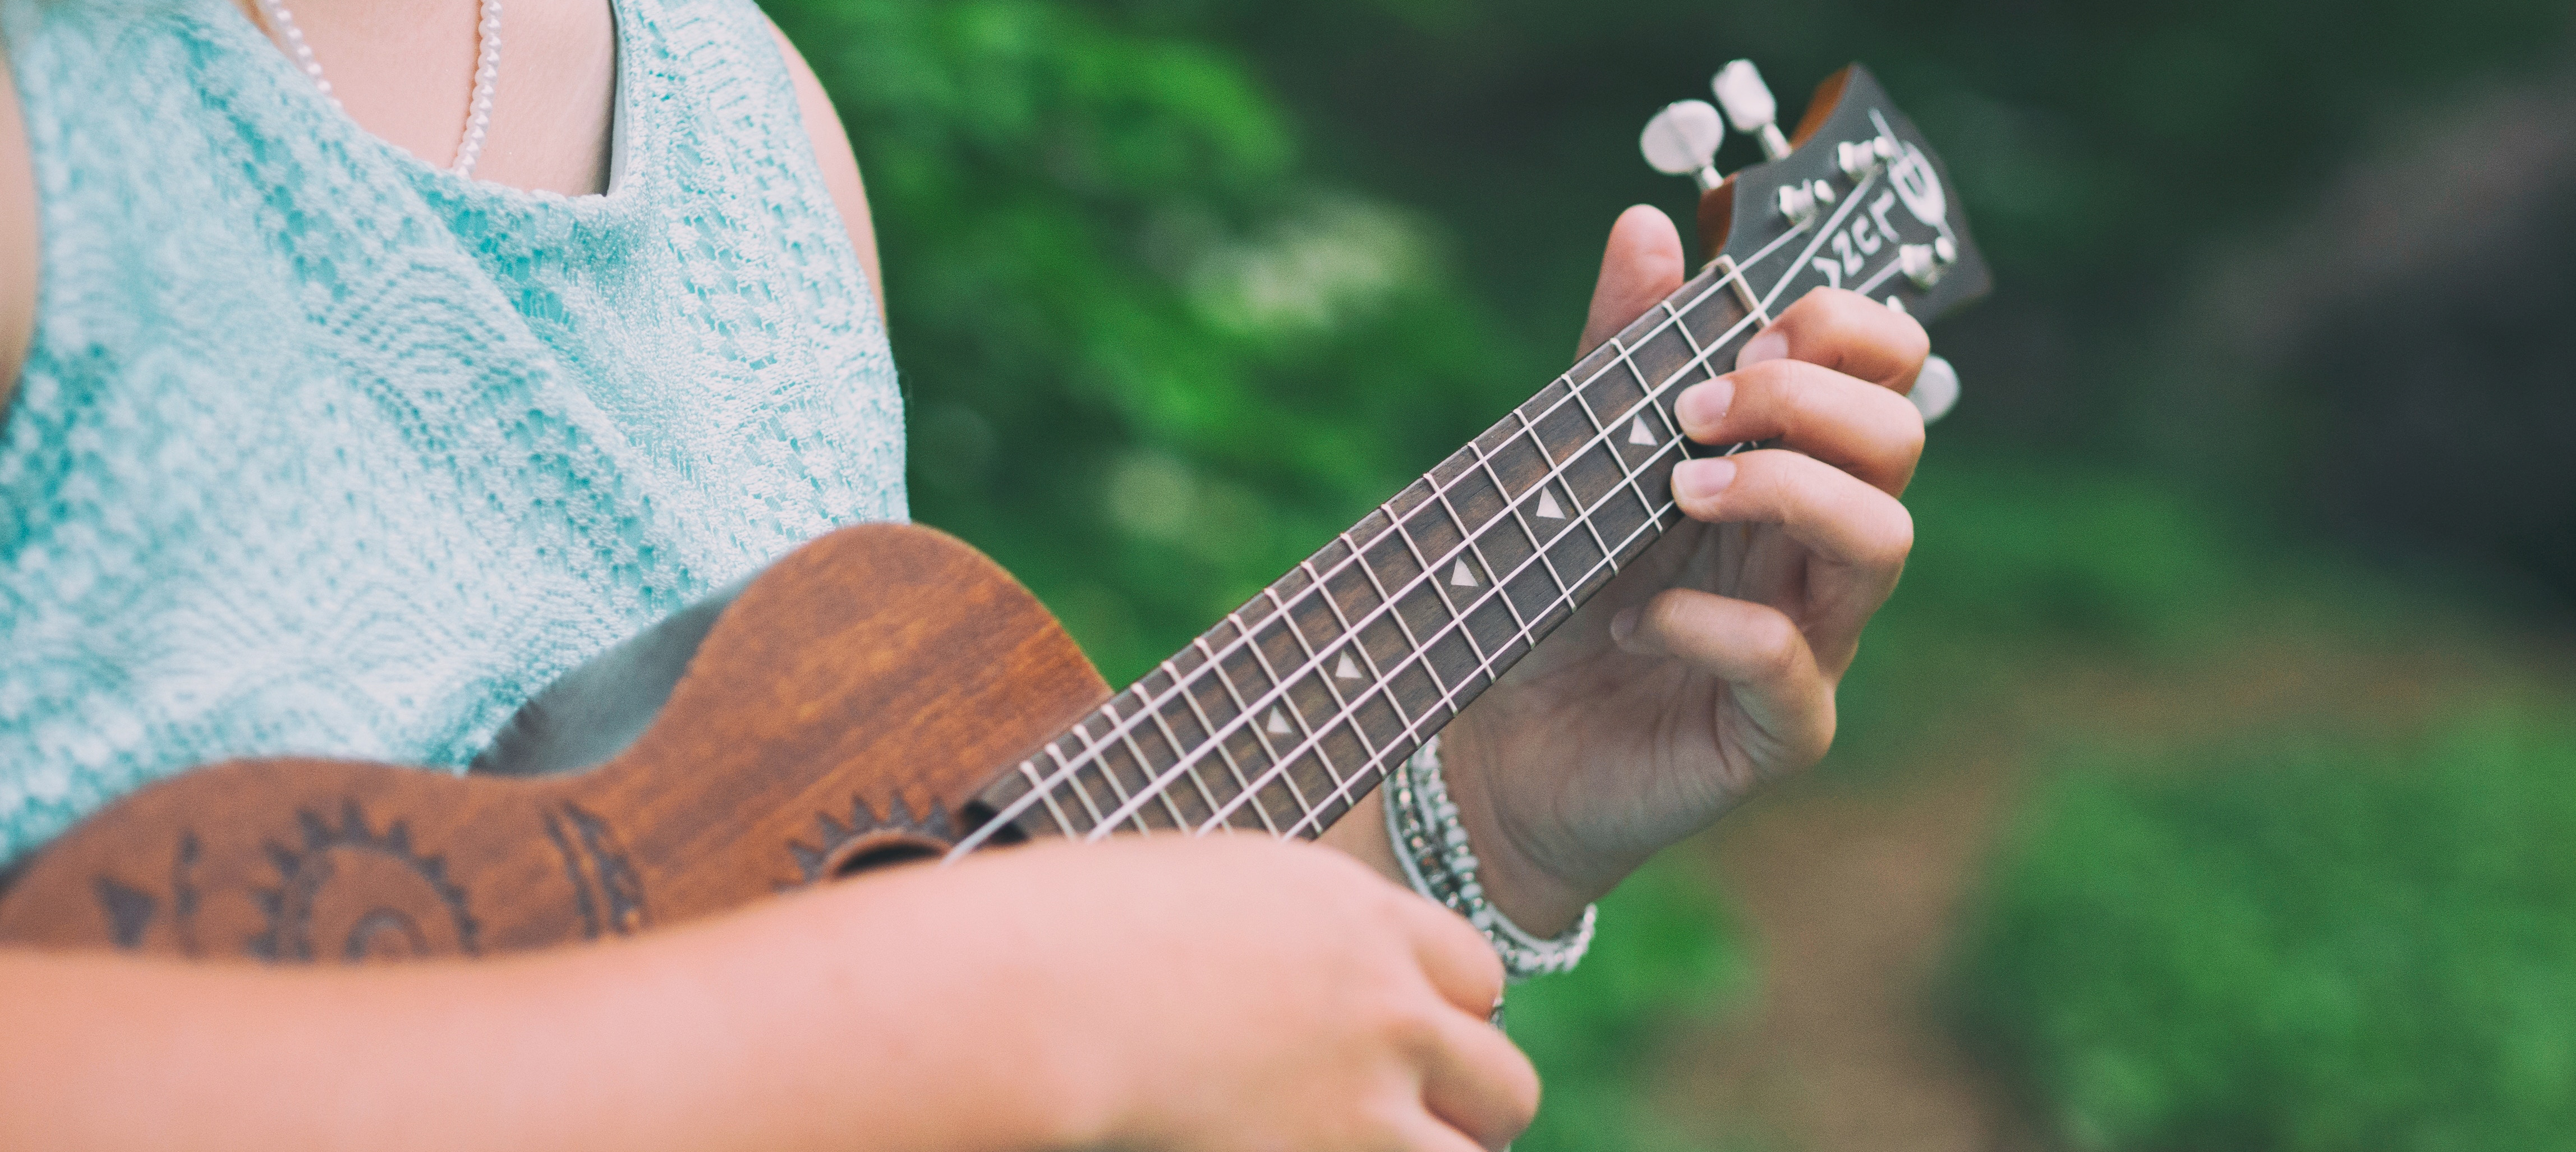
[(887, 694)]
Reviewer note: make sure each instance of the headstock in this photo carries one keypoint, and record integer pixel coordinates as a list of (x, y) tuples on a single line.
[(1854, 198)]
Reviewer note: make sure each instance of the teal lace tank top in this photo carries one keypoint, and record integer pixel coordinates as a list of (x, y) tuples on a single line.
[(320, 450)]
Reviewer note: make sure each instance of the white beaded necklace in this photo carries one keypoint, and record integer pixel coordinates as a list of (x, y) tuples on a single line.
[(487, 71)]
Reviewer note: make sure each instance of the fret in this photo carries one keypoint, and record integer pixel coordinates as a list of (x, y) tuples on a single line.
[(1046, 796), (1560, 427), (1381, 725), (1592, 473), (1715, 313), (1033, 819), (1509, 536), (1111, 762), (1390, 562), (1282, 651), (1595, 362), (1316, 623), (1308, 780), (1088, 818), (1161, 753), (1417, 696), (1251, 762), (1353, 588), (1311, 701), (1615, 393), (1280, 808), (1209, 694), (1423, 610), (1189, 731), (1241, 671), (1664, 355), (1434, 533), (1570, 521), (1337, 747), (1621, 512), (1497, 632), (1477, 501), (1578, 551), (1272, 726), (1220, 787), (1513, 456), (1410, 498)]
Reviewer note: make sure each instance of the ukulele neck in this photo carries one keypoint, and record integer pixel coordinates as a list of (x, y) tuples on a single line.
[(1292, 708)]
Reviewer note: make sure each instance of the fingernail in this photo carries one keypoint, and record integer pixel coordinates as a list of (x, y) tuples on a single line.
[(1772, 345), (1623, 626), (1702, 479), (1702, 408)]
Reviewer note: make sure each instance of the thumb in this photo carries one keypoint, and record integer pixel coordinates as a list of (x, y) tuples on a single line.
[(1642, 266)]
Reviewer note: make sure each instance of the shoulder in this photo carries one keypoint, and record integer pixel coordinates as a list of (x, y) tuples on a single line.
[(18, 238), (840, 165)]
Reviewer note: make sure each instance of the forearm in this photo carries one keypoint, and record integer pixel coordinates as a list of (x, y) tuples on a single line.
[(825, 1021)]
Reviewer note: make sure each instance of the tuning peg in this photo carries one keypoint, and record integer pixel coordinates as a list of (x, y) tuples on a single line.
[(1858, 159), (1801, 203), (1682, 140), (1936, 389), (1749, 106)]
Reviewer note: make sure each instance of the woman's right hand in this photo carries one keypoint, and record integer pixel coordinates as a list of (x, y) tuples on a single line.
[(1238, 993), (1189, 995)]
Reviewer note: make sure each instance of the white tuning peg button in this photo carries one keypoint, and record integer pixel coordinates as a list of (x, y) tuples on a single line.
[(1749, 106), (1682, 140), (1936, 390)]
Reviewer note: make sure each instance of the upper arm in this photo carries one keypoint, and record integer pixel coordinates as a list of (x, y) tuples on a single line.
[(840, 165), (18, 239)]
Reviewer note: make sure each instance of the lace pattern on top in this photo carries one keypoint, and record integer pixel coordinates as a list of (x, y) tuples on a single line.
[(323, 451)]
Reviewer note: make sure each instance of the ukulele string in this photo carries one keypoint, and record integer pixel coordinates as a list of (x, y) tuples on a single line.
[(1122, 730)]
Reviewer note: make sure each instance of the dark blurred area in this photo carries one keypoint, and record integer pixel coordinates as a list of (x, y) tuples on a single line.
[(2203, 786)]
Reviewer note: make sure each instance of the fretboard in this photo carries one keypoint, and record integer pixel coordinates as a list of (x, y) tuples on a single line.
[(1291, 709)]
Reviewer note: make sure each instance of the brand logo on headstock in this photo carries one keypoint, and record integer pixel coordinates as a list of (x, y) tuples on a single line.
[(1920, 187)]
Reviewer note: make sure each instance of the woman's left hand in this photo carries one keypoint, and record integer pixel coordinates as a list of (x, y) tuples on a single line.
[(1708, 666)]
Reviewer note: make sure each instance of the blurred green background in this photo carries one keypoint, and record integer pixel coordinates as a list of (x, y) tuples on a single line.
[(2207, 784)]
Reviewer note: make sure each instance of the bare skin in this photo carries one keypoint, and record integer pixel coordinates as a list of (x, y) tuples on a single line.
[(1175, 995)]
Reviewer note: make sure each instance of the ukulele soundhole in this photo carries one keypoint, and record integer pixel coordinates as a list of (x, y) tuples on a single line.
[(864, 841), (348, 893)]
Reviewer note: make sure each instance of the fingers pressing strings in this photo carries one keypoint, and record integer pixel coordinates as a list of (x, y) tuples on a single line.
[(1852, 424), (1848, 333)]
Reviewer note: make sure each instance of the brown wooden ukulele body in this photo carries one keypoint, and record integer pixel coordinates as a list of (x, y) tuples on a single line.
[(845, 709)]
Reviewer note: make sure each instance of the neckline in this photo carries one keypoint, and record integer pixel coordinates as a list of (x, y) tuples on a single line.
[(625, 121)]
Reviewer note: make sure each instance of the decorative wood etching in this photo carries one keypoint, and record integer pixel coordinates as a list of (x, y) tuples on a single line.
[(365, 896), (605, 887), (876, 676), (841, 843)]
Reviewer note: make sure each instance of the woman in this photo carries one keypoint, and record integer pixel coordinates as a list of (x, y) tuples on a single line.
[(375, 364)]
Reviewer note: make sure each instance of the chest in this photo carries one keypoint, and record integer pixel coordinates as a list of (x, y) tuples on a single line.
[(411, 71)]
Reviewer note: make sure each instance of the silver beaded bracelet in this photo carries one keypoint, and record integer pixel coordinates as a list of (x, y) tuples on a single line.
[(1431, 845)]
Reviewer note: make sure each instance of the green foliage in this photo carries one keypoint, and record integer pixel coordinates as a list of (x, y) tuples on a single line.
[(2329, 947), (1667, 959), (2020, 560), (1151, 360)]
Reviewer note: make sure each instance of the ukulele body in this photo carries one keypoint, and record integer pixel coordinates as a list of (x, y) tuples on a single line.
[(844, 711)]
